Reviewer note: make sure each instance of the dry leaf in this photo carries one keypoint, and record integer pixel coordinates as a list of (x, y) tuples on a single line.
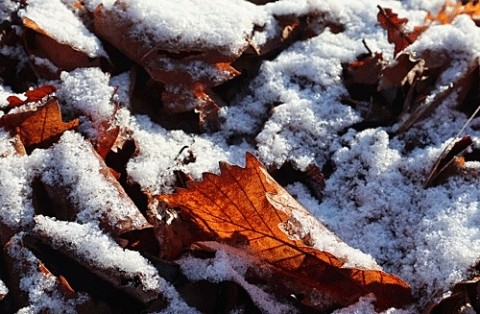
[(451, 9), (395, 27), (465, 296), (448, 158), (361, 77), (22, 265), (395, 74), (38, 128), (462, 85), (117, 213), (136, 281), (245, 207), (33, 95), (44, 45)]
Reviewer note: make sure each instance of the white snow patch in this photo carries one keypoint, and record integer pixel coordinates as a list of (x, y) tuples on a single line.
[(161, 152), (15, 192), (230, 266), (91, 245), (214, 24), (87, 91), (304, 85), (55, 19), (7, 8), (41, 289), (72, 165), (3, 289)]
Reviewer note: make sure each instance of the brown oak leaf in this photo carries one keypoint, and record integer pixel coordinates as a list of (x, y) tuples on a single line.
[(246, 208), (38, 128)]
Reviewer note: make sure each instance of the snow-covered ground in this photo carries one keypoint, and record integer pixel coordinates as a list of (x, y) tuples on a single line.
[(373, 199)]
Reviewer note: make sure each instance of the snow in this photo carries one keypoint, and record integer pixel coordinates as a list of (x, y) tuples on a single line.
[(58, 22), (305, 80), (72, 165), (321, 238), (229, 264), (41, 288), (364, 305), (374, 199), (15, 192), (7, 7), (161, 152), (87, 91), (3, 290), (97, 249), (452, 41), (222, 25)]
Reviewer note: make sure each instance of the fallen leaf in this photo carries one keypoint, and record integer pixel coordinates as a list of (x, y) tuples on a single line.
[(396, 73), (107, 139), (361, 76), (395, 27), (41, 44), (246, 208), (114, 211), (33, 95), (24, 267), (451, 9), (465, 295), (128, 272), (38, 128), (449, 157), (462, 85), (39, 93)]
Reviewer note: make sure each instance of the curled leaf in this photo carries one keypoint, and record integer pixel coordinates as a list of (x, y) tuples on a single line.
[(448, 158)]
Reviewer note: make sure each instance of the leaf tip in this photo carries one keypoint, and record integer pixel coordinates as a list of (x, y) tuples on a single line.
[(252, 161)]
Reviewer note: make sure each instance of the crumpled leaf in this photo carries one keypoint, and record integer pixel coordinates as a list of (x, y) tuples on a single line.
[(138, 280), (39, 128), (245, 207), (114, 211), (465, 296)]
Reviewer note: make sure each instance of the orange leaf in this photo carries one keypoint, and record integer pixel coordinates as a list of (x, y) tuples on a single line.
[(14, 101), (107, 138), (39, 93), (33, 95), (451, 9), (38, 128), (246, 207), (395, 27)]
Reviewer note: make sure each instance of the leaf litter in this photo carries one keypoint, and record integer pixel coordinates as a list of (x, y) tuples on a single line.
[(288, 81)]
